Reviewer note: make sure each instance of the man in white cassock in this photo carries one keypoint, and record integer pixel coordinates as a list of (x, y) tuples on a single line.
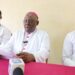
[(5, 33), (69, 49), (30, 44)]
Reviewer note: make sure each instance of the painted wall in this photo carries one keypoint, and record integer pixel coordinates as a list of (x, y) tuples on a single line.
[(57, 17)]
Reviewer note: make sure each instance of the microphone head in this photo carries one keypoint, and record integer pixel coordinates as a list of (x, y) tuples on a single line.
[(18, 71)]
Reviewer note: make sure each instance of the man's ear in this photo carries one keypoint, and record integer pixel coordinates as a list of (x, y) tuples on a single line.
[(37, 22)]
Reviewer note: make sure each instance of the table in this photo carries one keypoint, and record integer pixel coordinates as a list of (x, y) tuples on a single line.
[(39, 69)]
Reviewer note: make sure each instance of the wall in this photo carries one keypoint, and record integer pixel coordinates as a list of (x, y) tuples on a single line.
[(57, 17)]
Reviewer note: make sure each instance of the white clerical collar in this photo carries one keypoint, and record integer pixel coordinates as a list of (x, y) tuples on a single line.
[(31, 32)]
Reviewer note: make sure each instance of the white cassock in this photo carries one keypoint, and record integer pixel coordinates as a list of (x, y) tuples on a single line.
[(69, 49), (38, 45), (5, 35)]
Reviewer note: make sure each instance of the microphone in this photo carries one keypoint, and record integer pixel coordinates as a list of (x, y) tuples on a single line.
[(16, 66), (18, 71)]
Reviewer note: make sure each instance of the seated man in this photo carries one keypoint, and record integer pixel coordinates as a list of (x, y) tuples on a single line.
[(69, 49), (5, 34), (30, 44)]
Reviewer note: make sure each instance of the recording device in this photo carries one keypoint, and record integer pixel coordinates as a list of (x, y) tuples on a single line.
[(18, 71), (16, 66)]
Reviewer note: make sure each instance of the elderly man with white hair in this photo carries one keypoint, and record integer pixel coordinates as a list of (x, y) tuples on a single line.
[(30, 44)]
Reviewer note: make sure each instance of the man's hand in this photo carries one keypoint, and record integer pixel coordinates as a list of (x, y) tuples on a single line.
[(27, 57)]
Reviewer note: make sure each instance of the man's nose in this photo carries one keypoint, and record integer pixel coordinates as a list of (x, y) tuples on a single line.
[(27, 23)]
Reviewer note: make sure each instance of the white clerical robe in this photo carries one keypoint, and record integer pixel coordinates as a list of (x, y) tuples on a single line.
[(69, 49), (5, 35), (38, 45)]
